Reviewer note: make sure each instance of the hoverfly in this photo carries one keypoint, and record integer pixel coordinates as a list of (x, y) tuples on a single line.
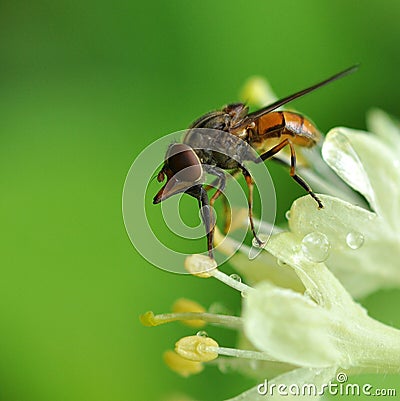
[(267, 131)]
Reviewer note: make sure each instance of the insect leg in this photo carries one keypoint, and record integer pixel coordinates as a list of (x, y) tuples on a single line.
[(219, 183), (207, 216), (250, 185), (208, 219), (300, 180), (226, 208), (273, 151)]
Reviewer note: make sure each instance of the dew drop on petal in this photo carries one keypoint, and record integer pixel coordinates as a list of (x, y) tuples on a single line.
[(244, 294), (354, 240), (287, 215), (315, 246), (202, 333), (236, 277)]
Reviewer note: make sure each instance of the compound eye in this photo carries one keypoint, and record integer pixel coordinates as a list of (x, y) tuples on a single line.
[(183, 161)]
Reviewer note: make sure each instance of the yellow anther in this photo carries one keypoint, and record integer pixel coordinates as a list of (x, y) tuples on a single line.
[(256, 91), (183, 305), (200, 265), (218, 237), (240, 218), (148, 319), (197, 348), (180, 365)]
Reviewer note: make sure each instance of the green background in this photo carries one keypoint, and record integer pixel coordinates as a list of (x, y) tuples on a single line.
[(84, 87)]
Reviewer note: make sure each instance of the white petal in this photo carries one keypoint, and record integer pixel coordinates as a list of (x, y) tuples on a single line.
[(291, 380), (321, 285), (290, 327), (340, 155), (382, 124), (370, 166), (265, 268), (362, 267)]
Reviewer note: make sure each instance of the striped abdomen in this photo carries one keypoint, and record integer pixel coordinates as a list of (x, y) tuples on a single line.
[(274, 127)]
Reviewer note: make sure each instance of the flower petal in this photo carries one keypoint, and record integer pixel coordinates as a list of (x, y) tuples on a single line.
[(364, 251), (370, 166), (292, 381), (290, 327), (382, 124), (341, 156), (266, 268)]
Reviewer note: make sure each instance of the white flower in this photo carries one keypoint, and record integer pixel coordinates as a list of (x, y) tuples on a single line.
[(364, 245), (362, 233), (299, 323), (320, 331)]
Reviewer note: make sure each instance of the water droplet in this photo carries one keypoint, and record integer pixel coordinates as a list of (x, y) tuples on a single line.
[(354, 240), (236, 277), (202, 333), (315, 246), (244, 294), (287, 215)]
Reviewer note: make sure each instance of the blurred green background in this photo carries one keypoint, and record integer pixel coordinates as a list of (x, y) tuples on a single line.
[(85, 86)]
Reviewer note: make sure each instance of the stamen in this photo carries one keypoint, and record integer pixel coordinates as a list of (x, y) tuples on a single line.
[(241, 353), (150, 320), (183, 366), (200, 265), (237, 285), (197, 348), (193, 262), (204, 349), (183, 305)]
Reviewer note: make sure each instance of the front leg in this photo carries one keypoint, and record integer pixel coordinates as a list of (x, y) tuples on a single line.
[(250, 185), (220, 183), (207, 215)]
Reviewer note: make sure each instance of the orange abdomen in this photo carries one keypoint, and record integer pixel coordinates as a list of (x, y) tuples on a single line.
[(274, 127)]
